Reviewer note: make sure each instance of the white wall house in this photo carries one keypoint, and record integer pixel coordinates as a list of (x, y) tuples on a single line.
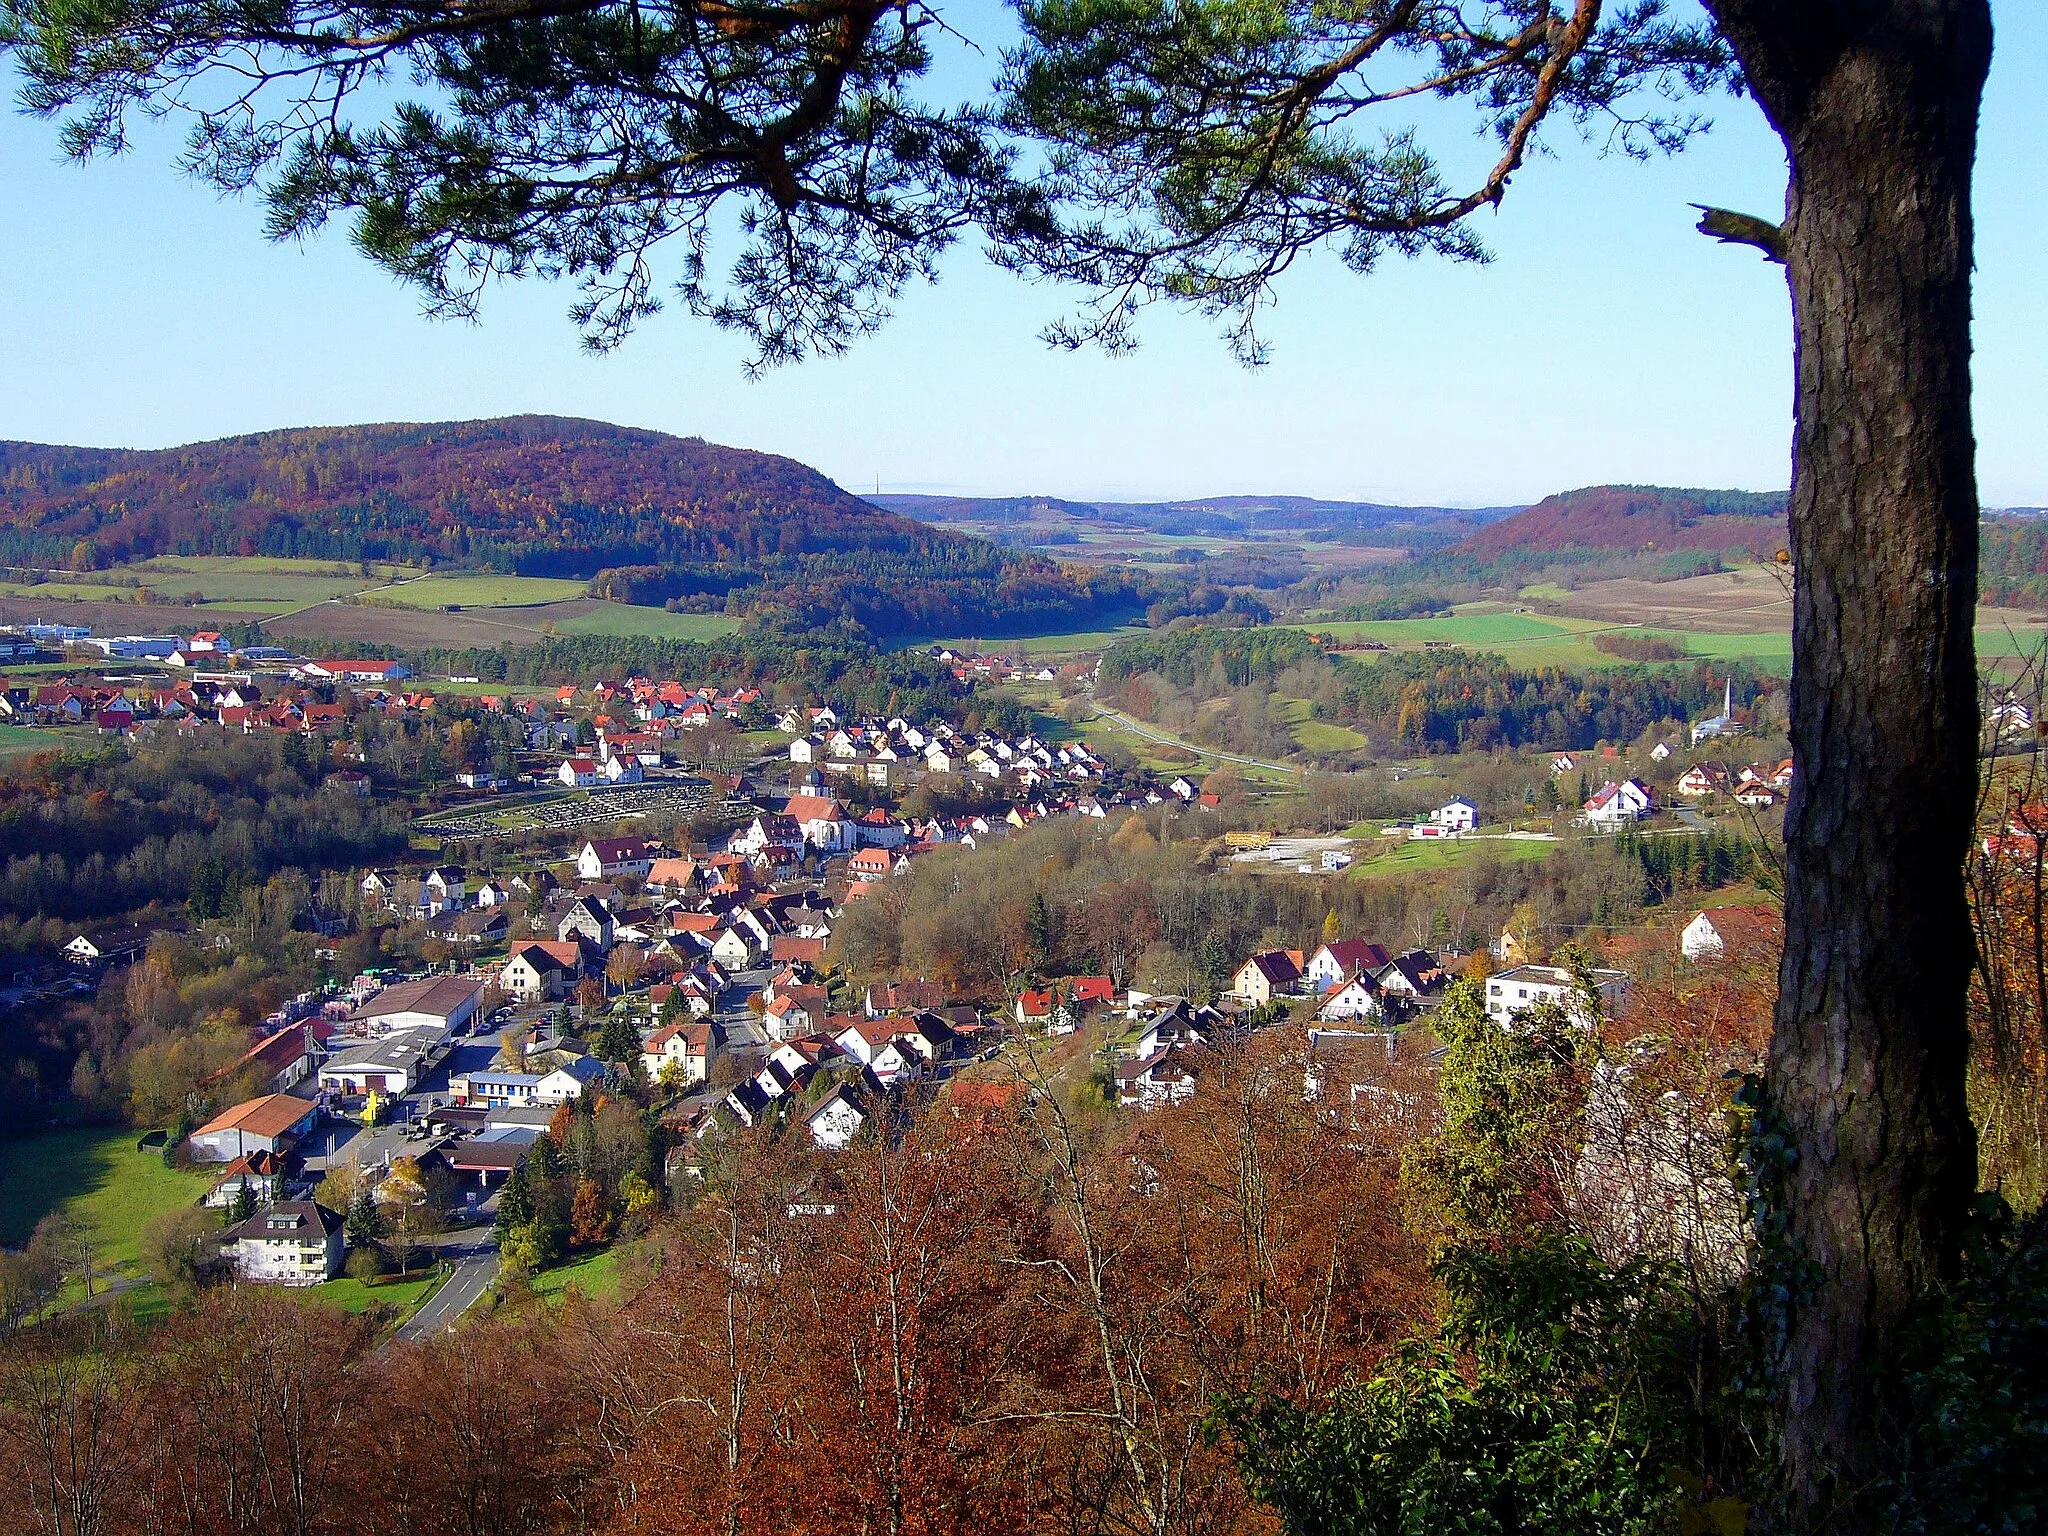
[(1456, 815), (1522, 988), (292, 1243)]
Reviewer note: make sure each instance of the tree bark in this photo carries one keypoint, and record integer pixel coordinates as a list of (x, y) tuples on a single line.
[(1877, 103)]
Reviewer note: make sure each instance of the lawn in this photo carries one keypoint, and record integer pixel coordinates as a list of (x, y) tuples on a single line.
[(403, 1296), (632, 619), (596, 1275), (97, 1179), (478, 591), (1446, 853)]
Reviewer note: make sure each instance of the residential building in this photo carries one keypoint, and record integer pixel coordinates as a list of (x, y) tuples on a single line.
[(295, 1242), (1516, 991), (1267, 975), (1718, 933), (1334, 962), (1618, 805), (608, 858)]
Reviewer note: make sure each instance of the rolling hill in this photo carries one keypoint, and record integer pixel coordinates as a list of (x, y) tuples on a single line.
[(1632, 519), (644, 516)]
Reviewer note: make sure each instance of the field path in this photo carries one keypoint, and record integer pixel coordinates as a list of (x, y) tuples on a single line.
[(1104, 712)]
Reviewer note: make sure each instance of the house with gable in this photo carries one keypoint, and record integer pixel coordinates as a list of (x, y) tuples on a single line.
[(1341, 959), (1266, 975)]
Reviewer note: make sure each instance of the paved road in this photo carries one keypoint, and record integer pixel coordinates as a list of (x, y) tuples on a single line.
[(475, 1268)]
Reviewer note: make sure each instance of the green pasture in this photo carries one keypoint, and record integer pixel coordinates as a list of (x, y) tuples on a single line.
[(273, 565), (1045, 647), (632, 619), (1317, 735), (97, 1179), (1408, 856), (477, 591)]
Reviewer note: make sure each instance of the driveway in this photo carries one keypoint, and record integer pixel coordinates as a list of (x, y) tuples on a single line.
[(476, 1265)]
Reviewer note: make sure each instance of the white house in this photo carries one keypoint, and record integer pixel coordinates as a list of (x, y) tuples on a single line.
[(294, 1242), (1456, 815), (1358, 998), (836, 1119), (539, 970), (1167, 1078), (1330, 965), (1722, 932), (684, 1048), (1523, 987), (607, 858), (1618, 805), (579, 772), (566, 1083), (734, 949)]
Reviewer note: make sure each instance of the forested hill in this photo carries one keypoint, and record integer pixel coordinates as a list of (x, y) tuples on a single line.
[(647, 516), (1637, 518)]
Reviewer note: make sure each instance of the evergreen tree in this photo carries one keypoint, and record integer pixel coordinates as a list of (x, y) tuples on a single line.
[(364, 1223), (515, 1202), (618, 1041)]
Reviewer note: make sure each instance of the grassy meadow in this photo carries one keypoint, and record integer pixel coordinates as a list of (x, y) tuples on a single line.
[(98, 1180)]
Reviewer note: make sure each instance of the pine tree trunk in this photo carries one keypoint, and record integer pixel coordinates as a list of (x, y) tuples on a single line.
[(1877, 103)]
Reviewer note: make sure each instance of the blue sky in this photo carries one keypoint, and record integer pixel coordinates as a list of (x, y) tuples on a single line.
[(1607, 342)]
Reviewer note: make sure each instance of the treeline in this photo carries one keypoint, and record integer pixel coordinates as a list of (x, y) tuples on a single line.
[(1454, 701), (91, 834), (1447, 700), (2012, 561), (933, 586), (1184, 656)]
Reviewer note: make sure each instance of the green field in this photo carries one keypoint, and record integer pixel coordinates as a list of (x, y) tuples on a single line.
[(404, 1297), (477, 591), (1046, 646), (631, 619), (96, 1179), (16, 740), (1448, 853), (595, 1275), (1317, 735)]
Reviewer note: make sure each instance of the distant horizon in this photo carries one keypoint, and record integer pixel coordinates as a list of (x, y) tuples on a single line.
[(1606, 343), (934, 489)]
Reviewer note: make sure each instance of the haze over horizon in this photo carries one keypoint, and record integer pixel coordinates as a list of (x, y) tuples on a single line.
[(1607, 343)]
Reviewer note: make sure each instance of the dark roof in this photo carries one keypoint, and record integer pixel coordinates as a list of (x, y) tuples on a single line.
[(305, 1216)]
